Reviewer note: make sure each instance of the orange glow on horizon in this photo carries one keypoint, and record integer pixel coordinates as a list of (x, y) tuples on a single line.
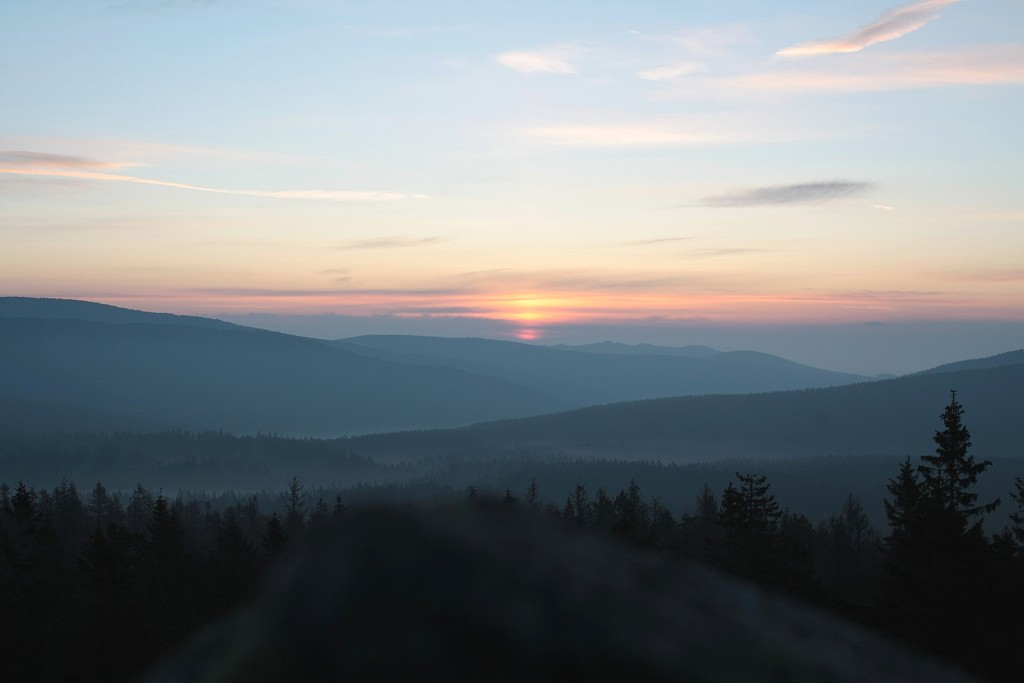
[(532, 312)]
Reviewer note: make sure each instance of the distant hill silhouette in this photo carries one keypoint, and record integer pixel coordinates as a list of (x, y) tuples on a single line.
[(71, 365), (23, 415), (886, 417), (73, 309), (195, 373), (997, 361), (584, 377), (689, 351)]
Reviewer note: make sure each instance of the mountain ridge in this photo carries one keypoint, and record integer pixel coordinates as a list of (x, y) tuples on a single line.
[(76, 309), (591, 378), (240, 379), (186, 372), (884, 417)]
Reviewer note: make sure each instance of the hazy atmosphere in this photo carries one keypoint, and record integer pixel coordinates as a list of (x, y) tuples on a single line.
[(564, 340), (681, 167)]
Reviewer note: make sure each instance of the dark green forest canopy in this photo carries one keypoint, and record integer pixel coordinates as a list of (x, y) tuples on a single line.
[(160, 568), (213, 462), (890, 417)]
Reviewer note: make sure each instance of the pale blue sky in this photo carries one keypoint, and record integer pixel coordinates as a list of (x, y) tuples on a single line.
[(596, 163)]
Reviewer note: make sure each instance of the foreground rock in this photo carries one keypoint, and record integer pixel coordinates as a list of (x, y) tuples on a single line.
[(453, 595)]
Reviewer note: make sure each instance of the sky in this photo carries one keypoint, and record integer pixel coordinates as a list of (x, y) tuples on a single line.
[(671, 172)]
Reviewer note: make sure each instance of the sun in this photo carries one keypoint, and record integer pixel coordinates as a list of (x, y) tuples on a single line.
[(532, 312)]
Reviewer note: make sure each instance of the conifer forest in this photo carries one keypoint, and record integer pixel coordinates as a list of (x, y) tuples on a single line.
[(108, 582)]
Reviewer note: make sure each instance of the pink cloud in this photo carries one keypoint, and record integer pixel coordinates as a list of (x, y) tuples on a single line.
[(893, 24)]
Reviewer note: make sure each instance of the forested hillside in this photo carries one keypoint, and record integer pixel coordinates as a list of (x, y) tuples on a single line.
[(179, 375), (596, 374), (881, 417)]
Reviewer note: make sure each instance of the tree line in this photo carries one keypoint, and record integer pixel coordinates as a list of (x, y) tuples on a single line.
[(139, 575)]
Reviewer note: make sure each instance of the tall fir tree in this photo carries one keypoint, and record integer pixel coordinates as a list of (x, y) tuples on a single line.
[(1017, 517), (938, 589), (950, 475), (750, 519)]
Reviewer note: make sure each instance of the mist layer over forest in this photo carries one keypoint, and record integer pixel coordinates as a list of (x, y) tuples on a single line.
[(210, 457)]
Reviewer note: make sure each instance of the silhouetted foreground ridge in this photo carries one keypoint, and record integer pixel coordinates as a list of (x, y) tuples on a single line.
[(492, 595)]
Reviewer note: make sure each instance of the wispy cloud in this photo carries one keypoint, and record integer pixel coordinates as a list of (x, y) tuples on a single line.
[(670, 73), (893, 24), (999, 216), (992, 276), (800, 193), (886, 294), (160, 4), (34, 160), (337, 292), (711, 41), (577, 281), (725, 251), (38, 164), (132, 152), (633, 135), (981, 65), (406, 31), (658, 240), (396, 242), (554, 61)]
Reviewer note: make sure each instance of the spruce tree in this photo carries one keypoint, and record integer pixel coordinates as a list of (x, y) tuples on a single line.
[(903, 511), (750, 519), (533, 494), (631, 514), (274, 538), (580, 505), (938, 587), (952, 472), (295, 505), (1018, 517), (602, 510)]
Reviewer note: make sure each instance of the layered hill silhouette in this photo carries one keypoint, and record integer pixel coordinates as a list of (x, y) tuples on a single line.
[(689, 351), (997, 361), (67, 364), (604, 373), (73, 309), (885, 417)]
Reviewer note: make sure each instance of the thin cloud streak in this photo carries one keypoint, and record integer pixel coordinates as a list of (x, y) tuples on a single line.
[(510, 280), (326, 195), (994, 276), (390, 243), (552, 62), (670, 73), (574, 302), (711, 41), (632, 135), (717, 253), (246, 292), (800, 193), (993, 65), (893, 24), (578, 306), (123, 148), (988, 65), (658, 240), (34, 160)]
